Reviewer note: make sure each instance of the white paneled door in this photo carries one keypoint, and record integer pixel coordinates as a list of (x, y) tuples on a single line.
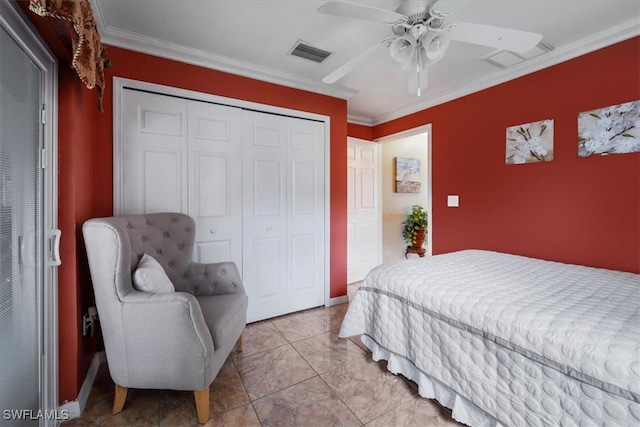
[(283, 188), (214, 181), (265, 214), (253, 181), (181, 155), (363, 209), (305, 213)]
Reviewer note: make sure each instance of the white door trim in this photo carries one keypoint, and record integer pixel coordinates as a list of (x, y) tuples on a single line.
[(17, 24), (120, 83), (410, 132)]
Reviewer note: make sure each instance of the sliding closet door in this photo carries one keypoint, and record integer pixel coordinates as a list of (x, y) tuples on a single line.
[(283, 214)]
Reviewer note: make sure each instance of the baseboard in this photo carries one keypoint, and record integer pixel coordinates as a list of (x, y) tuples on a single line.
[(338, 300), (76, 407)]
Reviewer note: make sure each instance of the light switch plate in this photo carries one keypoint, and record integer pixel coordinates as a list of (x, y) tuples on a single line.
[(453, 201)]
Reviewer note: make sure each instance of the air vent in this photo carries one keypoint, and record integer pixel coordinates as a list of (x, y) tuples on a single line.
[(506, 59), (305, 50)]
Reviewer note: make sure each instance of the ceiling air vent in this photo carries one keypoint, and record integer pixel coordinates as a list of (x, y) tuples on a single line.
[(506, 59), (305, 50)]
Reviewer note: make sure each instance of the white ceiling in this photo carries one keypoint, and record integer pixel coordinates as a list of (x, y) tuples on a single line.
[(252, 38)]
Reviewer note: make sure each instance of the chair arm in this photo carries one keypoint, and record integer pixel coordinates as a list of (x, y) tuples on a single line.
[(218, 278), (162, 332)]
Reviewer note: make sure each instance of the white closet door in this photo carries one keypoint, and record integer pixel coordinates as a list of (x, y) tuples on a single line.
[(305, 189), (264, 166), (363, 210), (283, 214), (154, 169), (215, 181), (254, 183), (185, 156)]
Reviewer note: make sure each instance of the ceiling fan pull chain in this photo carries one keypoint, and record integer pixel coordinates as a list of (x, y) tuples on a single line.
[(418, 66)]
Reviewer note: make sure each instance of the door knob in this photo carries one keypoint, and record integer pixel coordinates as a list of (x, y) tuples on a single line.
[(212, 231), (269, 228)]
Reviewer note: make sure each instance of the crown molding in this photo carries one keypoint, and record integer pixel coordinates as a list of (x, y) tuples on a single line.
[(610, 36), (359, 120), (164, 49)]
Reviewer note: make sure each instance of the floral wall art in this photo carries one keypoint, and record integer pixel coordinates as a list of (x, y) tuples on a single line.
[(609, 130), (530, 143), (407, 175)]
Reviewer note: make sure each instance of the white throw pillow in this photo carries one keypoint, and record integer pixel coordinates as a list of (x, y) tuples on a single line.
[(151, 277)]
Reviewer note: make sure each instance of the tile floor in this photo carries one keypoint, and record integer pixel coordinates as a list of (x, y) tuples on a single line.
[(294, 371)]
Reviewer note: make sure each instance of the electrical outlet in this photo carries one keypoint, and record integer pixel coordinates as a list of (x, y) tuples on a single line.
[(87, 325), (88, 322)]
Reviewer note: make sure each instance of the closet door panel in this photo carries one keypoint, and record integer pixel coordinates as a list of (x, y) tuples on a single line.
[(215, 181), (305, 216), (264, 214), (162, 180), (155, 153)]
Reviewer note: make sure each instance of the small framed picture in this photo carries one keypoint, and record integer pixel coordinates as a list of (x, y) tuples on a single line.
[(407, 175)]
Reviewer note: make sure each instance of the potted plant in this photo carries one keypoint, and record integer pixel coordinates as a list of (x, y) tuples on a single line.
[(415, 227)]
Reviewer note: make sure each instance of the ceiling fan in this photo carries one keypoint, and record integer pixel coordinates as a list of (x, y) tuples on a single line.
[(421, 35)]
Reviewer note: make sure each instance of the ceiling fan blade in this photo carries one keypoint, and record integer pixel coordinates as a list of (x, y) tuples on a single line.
[(498, 37), (359, 11), (352, 64), (447, 7)]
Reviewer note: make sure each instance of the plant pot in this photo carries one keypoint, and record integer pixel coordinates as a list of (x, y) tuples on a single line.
[(418, 241)]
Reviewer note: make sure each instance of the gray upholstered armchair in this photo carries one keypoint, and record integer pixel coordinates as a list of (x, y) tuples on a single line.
[(176, 340)]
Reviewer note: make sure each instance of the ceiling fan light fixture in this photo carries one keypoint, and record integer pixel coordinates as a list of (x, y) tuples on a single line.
[(435, 43), (402, 49)]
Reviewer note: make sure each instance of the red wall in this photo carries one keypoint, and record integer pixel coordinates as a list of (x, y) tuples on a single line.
[(360, 131), (576, 210)]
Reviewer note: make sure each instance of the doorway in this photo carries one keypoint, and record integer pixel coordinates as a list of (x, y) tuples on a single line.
[(374, 209), (414, 144)]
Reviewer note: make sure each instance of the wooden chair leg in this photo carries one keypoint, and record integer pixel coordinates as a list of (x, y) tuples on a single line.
[(118, 399), (202, 405), (239, 344)]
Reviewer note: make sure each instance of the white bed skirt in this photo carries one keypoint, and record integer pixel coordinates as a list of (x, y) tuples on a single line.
[(462, 409)]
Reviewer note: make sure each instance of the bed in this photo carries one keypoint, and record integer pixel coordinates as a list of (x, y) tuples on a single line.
[(506, 340)]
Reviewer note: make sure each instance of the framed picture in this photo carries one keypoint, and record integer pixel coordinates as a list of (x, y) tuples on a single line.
[(609, 130), (530, 143), (407, 175)]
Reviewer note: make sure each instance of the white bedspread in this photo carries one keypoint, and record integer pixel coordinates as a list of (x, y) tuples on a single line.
[(530, 342)]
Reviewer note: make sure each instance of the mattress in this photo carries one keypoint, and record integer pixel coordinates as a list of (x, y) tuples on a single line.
[(527, 342)]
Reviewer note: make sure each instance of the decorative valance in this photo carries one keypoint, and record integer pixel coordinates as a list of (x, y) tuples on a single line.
[(89, 55)]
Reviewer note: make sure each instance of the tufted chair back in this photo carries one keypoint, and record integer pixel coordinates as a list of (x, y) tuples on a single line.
[(169, 238)]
